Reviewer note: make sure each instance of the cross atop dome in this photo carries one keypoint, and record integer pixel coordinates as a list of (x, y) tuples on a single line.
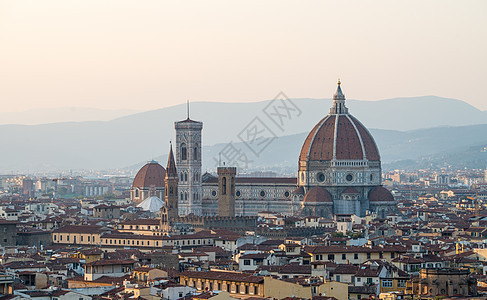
[(339, 107)]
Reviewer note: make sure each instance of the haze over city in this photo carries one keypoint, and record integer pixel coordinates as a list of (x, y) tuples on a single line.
[(140, 56)]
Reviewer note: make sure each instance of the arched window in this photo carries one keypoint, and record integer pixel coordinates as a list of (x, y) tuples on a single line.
[(185, 177), (182, 177), (224, 186), (195, 153), (184, 152), (136, 192)]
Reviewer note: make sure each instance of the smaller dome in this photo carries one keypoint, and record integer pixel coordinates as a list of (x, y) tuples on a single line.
[(299, 191), (380, 193), (152, 204), (150, 175), (317, 195)]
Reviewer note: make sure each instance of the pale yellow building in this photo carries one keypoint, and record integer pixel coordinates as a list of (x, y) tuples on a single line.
[(304, 288), (242, 285), (353, 254), (77, 235)]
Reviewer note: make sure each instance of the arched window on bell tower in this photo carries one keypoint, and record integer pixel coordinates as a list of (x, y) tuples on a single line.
[(195, 152), (184, 152)]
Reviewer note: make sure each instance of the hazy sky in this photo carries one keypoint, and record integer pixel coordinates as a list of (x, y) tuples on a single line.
[(149, 54)]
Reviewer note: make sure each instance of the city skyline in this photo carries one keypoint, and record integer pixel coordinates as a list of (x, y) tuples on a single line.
[(226, 150)]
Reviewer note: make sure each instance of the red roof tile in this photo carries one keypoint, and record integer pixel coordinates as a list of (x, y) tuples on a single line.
[(152, 174), (347, 141), (317, 195)]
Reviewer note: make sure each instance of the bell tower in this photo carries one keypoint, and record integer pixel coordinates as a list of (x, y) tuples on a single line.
[(226, 191), (188, 163)]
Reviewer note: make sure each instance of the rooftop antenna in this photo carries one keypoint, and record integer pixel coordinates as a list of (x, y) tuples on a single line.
[(187, 106)]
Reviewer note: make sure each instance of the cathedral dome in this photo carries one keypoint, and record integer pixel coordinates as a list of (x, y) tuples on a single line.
[(339, 136), (380, 193), (150, 175), (317, 195)]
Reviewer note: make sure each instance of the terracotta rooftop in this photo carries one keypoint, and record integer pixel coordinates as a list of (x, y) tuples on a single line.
[(141, 222), (150, 175), (317, 195), (109, 262), (340, 137), (380, 193), (257, 180), (346, 269), (79, 229)]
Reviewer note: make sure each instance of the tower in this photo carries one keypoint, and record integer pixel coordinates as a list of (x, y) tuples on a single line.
[(188, 162), (171, 187), (226, 191)]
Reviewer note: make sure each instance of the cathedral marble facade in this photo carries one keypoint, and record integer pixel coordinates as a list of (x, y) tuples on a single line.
[(339, 172)]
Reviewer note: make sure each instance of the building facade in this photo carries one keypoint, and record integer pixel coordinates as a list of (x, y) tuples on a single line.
[(252, 195), (445, 282), (339, 172), (188, 163)]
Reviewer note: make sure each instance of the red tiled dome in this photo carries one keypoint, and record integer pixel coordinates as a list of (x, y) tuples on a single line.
[(380, 193), (350, 190), (317, 195), (152, 174), (353, 141), (339, 136)]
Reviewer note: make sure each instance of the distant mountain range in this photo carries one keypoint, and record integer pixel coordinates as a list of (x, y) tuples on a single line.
[(451, 126), (463, 146), (62, 114)]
